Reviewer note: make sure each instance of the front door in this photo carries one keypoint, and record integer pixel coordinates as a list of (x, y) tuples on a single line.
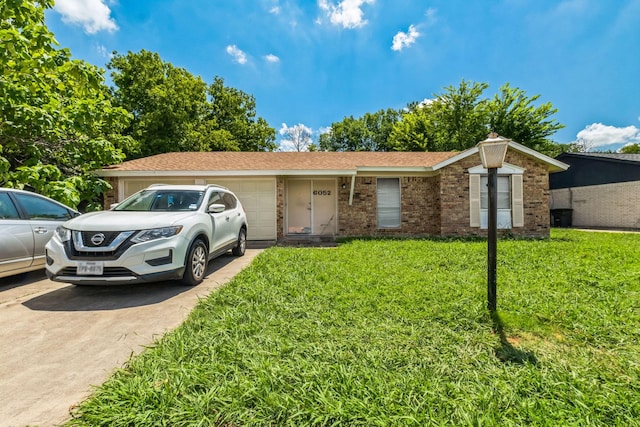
[(311, 206)]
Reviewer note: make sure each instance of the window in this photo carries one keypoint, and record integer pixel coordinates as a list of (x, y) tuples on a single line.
[(504, 202), (7, 208), (388, 202), (510, 200), (229, 201), (39, 208)]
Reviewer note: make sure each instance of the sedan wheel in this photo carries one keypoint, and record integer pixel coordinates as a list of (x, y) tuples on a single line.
[(196, 265)]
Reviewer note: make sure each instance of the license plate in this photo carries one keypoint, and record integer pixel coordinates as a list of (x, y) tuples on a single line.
[(90, 268)]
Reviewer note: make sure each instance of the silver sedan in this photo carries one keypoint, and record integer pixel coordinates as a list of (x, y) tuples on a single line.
[(27, 222)]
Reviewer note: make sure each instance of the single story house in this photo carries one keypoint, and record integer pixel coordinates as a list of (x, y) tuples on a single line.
[(600, 190), (353, 194)]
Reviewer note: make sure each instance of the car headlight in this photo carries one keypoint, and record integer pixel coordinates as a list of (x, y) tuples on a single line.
[(156, 233), (63, 234)]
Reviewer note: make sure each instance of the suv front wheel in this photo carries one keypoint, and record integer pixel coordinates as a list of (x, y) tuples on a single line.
[(196, 265)]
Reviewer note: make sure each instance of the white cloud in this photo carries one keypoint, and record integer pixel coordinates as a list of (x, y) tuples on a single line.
[(239, 56), (271, 58), (92, 15), (402, 40), (598, 135), (347, 13), (275, 10)]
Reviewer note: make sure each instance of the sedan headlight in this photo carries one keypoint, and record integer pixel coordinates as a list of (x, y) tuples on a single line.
[(63, 234), (156, 233)]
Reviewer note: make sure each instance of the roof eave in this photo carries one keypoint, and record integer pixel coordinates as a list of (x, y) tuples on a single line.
[(553, 165), (288, 172)]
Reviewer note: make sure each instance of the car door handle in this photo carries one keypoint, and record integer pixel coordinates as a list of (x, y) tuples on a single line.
[(227, 219), (40, 230)]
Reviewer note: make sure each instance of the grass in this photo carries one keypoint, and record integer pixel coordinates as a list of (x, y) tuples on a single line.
[(396, 333)]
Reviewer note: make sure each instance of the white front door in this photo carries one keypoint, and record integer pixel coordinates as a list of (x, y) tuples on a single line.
[(311, 206)]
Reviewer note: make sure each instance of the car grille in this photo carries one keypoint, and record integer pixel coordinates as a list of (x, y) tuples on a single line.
[(109, 236), (97, 253), (107, 272)]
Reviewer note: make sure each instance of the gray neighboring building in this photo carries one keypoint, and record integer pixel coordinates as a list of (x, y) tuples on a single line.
[(599, 190)]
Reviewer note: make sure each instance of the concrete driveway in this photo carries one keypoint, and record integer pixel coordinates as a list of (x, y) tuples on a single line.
[(59, 340)]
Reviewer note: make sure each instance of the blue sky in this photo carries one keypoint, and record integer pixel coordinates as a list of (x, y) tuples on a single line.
[(314, 62)]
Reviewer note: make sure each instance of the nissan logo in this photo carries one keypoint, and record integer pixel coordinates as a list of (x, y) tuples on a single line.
[(97, 239)]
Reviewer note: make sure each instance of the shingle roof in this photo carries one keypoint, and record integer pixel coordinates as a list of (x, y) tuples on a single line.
[(277, 161), (614, 156)]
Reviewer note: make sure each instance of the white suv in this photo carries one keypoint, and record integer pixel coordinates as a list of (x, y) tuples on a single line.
[(163, 232)]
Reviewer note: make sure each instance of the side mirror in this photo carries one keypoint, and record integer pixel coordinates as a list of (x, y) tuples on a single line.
[(216, 208)]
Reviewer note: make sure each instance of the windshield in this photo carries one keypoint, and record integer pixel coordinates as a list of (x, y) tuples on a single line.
[(162, 200)]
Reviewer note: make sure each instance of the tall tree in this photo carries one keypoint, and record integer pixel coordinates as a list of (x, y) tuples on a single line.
[(461, 117), (235, 112), (296, 138), (176, 111), (367, 133), (417, 131), (513, 114), (57, 123)]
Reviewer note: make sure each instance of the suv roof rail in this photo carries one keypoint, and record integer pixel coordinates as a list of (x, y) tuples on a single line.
[(216, 186), (205, 185)]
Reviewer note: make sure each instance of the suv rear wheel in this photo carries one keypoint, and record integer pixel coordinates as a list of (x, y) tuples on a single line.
[(196, 265)]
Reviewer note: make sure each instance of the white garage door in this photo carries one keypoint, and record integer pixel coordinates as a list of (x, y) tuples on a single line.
[(258, 197)]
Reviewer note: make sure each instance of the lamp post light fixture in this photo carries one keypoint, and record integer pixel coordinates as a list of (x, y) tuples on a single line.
[(492, 152)]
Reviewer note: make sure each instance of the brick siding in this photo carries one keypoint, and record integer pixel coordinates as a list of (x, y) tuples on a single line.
[(439, 205), (419, 208), (608, 205)]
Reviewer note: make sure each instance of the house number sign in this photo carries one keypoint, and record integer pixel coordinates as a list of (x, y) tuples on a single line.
[(321, 192)]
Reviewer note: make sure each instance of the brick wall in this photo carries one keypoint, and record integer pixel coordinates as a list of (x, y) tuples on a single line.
[(608, 205), (111, 196), (454, 195), (454, 198), (536, 196), (418, 197)]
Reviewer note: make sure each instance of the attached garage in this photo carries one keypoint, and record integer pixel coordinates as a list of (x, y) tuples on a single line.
[(258, 198)]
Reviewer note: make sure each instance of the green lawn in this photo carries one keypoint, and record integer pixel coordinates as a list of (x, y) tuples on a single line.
[(396, 333)]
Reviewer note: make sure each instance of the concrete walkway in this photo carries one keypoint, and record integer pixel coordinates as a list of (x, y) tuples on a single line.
[(59, 340)]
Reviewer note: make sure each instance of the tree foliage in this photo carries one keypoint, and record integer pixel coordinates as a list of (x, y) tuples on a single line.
[(452, 121), (57, 123), (367, 133), (631, 149), (512, 114), (176, 111)]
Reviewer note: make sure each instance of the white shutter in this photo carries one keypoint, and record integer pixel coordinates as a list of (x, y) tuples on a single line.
[(474, 200), (517, 204)]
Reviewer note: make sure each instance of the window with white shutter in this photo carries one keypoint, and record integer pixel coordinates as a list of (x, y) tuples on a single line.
[(510, 197)]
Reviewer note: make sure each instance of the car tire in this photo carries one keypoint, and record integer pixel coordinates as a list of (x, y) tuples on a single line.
[(241, 246), (196, 263)]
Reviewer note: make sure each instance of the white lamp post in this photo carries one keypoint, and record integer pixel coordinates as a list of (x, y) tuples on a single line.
[(492, 152)]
